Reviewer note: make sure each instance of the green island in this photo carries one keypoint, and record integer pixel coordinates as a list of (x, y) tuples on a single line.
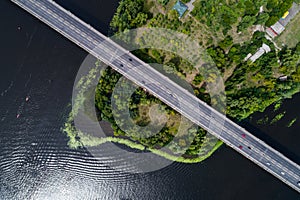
[(292, 122), (233, 32), (277, 118)]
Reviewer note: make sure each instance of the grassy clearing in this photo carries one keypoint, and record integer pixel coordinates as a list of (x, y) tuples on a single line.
[(199, 31), (291, 35)]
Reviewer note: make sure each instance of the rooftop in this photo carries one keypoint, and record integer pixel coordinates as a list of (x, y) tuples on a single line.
[(180, 8), (271, 32), (264, 49), (257, 55), (278, 28)]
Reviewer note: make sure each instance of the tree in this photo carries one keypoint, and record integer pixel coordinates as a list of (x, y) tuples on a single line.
[(163, 2), (246, 22), (250, 8), (169, 68), (198, 79), (226, 43), (140, 19), (129, 15), (185, 1), (262, 18)]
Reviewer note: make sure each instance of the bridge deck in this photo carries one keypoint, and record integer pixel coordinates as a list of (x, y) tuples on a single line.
[(163, 88)]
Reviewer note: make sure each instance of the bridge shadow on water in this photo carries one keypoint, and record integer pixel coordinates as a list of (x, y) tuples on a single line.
[(278, 135), (270, 140)]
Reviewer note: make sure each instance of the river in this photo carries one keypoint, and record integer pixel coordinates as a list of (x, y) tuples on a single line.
[(35, 161)]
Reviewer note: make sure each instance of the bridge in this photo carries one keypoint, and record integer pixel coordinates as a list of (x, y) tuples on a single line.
[(165, 89)]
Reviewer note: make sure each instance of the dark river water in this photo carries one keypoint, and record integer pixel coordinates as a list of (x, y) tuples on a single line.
[(35, 161)]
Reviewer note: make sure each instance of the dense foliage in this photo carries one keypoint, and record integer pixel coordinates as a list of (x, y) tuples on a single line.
[(255, 86), (276, 9), (221, 15), (163, 2), (250, 87), (139, 104), (129, 15)]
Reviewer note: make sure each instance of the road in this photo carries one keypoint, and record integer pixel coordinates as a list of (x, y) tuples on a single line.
[(165, 89)]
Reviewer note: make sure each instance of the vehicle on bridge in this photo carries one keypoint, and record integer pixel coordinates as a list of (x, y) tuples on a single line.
[(260, 152)]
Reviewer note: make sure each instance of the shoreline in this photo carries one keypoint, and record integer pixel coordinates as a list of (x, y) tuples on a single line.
[(86, 140), (91, 141)]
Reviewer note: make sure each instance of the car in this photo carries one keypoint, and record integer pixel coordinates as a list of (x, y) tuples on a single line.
[(282, 173), (298, 183), (243, 135), (241, 147), (121, 65), (249, 147), (130, 59), (268, 163)]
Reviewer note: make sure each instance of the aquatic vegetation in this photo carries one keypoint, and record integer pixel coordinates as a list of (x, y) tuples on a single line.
[(292, 122), (277, 117)]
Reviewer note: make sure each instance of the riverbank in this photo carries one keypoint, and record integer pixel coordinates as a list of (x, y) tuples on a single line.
[(79, 139), (246, 96), (36, 161)]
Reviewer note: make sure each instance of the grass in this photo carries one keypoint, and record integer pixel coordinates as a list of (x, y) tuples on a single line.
[(199, 31), (186, 160), (79, 139), (291, 35), (91, 141)]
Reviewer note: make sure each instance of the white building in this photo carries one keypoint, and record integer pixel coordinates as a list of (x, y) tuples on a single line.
[(278, 28), (264, 49)]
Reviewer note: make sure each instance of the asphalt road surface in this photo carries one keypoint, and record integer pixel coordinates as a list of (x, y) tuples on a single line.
[(165, 89)]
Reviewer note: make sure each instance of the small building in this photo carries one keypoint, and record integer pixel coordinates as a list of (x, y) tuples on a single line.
[(180, 8), (283, 78), (278, 28), (261, 9), (271, 32), (248, 56), (264, 49), (257, 55)]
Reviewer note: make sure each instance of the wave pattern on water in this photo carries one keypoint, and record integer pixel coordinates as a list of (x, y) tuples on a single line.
[(35, 161)]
